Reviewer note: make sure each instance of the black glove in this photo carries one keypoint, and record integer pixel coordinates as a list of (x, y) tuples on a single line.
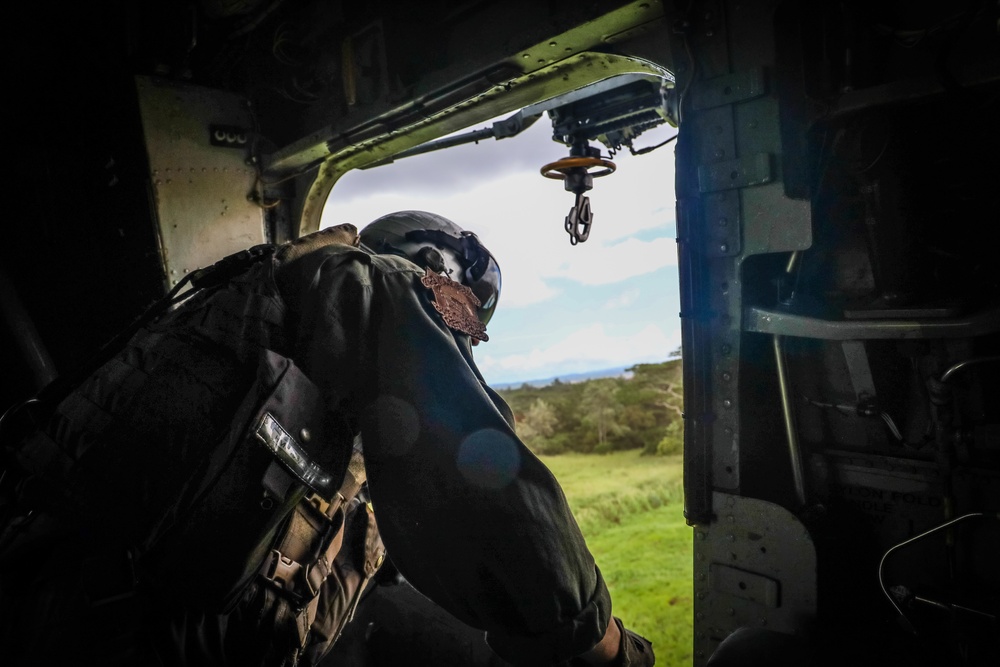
[(635, 651)]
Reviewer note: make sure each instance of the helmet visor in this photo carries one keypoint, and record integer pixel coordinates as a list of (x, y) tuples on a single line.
[(486, 288)]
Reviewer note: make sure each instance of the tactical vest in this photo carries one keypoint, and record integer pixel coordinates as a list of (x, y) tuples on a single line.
[(204, 448)]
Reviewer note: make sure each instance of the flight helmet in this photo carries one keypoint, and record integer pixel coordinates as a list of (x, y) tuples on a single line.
[(434, 242)]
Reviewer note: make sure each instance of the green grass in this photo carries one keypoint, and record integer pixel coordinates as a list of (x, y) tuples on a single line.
[(630, 509)]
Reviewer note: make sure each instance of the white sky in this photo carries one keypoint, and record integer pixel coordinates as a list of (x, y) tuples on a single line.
[(610, 301)]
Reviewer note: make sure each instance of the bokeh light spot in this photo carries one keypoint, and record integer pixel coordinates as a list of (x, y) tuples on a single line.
[(489, 458)]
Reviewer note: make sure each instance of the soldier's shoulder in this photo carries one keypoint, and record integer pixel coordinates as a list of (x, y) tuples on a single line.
[(394, 264), (339, 257), (342, 254)]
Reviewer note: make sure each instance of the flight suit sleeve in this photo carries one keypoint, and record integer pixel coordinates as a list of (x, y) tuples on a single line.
[(470, 516)]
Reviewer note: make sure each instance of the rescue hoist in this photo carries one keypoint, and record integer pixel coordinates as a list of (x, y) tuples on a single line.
[(577, 178)]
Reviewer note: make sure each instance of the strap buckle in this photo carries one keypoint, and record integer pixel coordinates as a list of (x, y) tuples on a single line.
[(296, 582), (281, 570)]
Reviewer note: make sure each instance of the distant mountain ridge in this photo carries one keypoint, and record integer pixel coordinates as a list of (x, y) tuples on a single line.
[(570, 378)]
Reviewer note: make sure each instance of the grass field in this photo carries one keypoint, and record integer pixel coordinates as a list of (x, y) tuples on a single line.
[(630, 510)]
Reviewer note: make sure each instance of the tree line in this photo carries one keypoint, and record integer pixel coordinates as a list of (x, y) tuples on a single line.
[(640, 411)]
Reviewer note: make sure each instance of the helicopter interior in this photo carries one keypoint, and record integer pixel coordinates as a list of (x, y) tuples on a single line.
[(836, 192)]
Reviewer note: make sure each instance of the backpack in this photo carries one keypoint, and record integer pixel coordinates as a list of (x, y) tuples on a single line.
[(213, 456)]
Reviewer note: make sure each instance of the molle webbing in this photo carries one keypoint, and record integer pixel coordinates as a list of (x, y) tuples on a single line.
[(302, 560), (160, 400), (245, 315), (209, 277)]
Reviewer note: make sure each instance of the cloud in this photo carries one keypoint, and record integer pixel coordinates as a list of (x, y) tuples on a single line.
[(587, 348), (614, 263), (523, 288), (623, 300)]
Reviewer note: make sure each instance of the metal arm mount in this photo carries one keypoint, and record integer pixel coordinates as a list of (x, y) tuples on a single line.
[(501, 129)]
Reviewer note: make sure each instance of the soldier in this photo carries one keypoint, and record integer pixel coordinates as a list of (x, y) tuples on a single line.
[(200, 499)]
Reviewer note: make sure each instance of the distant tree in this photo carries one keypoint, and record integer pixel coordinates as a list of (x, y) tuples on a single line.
[(601, 409), (637, 417), (673, 440), (537, 427), (542, 418)]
